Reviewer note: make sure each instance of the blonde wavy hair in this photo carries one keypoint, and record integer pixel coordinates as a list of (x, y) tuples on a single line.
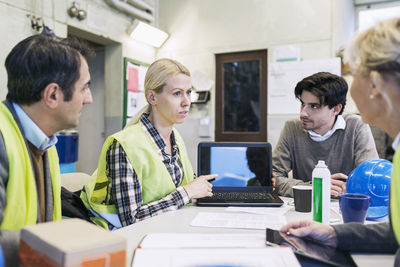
[(157, 76), (376, 49)]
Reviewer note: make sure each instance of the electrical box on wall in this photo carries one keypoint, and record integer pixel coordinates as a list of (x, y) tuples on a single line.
[(200, 97), (205, 126)]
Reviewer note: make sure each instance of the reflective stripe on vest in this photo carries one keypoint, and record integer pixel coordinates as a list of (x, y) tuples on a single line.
[(22, 200), (395, 195), (154, 177)]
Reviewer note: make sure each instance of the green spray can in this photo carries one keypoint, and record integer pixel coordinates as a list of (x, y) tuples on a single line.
[(321, 193)]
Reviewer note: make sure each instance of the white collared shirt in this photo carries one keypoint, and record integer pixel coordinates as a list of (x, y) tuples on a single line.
[(339, 124), (396, 142), (32, 132)]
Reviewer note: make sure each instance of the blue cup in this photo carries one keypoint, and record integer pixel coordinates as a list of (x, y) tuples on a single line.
[(354, 207)]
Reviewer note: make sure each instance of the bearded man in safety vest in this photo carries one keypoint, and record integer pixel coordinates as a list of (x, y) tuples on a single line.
[(48, 84)]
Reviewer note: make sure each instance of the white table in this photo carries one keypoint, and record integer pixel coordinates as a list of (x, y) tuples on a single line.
[(179, 222)]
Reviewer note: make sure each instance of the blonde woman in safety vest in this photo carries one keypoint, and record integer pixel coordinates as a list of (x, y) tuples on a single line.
[(374, 57), (144, 170)]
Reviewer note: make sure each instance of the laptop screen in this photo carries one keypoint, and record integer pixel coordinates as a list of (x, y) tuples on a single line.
[(237, 164)]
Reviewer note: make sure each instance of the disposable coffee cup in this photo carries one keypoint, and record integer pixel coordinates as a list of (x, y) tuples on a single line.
[(302, 198), (354, 207)]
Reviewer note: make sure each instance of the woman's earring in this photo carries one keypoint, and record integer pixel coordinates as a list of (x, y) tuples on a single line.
[(371, 96)]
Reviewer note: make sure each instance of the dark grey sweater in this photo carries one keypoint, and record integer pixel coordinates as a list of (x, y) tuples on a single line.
[(376, 238), (342, 152)]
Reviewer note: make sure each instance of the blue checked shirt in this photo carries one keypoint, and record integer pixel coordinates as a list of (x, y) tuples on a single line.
[(126, 190)]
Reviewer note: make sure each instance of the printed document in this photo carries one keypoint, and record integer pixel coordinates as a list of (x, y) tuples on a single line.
[(203, 240), (261, 210), (238, 220)]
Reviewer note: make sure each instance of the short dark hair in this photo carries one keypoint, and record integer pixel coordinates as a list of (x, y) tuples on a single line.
[(330, 89), (40, 60)]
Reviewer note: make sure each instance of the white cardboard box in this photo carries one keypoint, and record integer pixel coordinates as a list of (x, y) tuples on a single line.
[(71, 242)]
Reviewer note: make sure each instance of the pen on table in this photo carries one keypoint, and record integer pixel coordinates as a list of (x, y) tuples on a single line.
[(270, 244)]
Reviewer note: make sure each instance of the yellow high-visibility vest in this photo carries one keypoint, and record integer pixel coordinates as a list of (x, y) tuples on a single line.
[(154, 177), (22, 199)]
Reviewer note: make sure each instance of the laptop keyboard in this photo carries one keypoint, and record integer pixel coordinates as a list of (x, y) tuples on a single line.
[(241, 195)]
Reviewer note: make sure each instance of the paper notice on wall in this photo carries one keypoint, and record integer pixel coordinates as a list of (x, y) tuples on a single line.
[(142, 74), (283, 77), (286, 53), (132, 77), (136, 100)]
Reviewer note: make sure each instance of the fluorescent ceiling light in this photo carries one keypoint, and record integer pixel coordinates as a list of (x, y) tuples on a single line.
[(147, 34)]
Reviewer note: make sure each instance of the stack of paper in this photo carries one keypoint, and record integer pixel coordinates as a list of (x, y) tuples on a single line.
[(189, 250)]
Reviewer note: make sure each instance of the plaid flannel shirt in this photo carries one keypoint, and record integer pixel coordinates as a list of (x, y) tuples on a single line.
[(126, 190)]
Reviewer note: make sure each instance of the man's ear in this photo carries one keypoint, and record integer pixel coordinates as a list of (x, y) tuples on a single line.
[(52, 95), (337, 109), (151, 97)]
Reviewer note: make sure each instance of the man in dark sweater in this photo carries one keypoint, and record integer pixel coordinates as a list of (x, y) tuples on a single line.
[(48, 84), (321, 133)]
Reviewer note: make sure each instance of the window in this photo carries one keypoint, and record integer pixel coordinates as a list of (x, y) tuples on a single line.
[(241, 96), (369, 15)]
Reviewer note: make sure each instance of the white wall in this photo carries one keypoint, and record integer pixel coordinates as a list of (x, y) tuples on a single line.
[(104, 25), (198, 29), (102, 21), (201, 28)]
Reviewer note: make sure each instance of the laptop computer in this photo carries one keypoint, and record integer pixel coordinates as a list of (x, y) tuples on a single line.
[(244, 174)]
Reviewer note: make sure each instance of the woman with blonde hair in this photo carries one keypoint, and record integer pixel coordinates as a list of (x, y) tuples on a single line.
[(144, 170), (374, 57)]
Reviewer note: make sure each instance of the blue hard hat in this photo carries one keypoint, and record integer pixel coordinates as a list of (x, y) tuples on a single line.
[(372, 178)]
